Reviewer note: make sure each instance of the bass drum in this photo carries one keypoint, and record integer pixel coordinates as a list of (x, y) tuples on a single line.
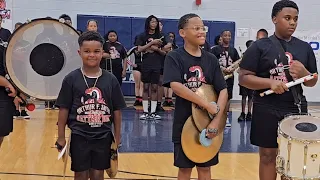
[(39, 55)]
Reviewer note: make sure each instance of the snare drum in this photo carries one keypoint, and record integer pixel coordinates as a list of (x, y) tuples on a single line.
[(299, 147)]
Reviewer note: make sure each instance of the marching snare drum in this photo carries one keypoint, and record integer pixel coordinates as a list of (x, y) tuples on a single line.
[(299, 147)]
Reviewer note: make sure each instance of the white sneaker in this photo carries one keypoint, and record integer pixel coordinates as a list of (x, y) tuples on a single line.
[(155, 116), (144, 116), (228, 124)]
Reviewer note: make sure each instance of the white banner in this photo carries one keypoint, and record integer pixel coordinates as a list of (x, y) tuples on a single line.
[(6, 13)]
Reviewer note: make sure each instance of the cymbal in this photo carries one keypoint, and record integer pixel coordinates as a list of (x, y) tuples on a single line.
[(201, 116), (113, 170), (191, 145)]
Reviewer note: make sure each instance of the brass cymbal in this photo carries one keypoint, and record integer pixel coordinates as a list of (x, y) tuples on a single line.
[(191, 145), (113, 170), (201, 116)]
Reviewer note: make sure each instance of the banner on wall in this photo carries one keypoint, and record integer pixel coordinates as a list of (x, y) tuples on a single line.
[(6, 14)]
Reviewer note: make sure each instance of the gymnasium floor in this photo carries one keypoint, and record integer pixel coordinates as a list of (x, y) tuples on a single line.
[(146, 152)]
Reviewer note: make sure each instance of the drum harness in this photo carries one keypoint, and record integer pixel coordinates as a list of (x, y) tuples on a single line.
[(284, 59)]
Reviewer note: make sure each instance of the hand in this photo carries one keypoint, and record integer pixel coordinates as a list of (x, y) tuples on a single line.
[(17, 102), (134, 65), (278, 87), (61, 142), (113, 56), (156, 42), (154, 48), (212, 108), (214, 125), (13, 92), (124, 73), (297, 70)]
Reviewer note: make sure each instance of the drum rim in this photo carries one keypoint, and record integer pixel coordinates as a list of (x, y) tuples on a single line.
[(44, 98), (295, 139)]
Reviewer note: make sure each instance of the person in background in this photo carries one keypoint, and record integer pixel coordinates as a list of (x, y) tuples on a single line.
[(168, 91), (227, 55), (137, 76), (262, 33), (244, 93), (92, 25), (160, 87), (151, 43), (114, 51), (4, 33), (21, 112), (66, 19)]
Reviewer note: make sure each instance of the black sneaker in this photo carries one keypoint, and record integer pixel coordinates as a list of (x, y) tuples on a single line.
[(24, 114), (136, 103), (165, 103), (249, 117), (242, 117), (16, 114)]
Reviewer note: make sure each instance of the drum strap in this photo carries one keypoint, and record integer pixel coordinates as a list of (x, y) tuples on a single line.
[(284, 60)]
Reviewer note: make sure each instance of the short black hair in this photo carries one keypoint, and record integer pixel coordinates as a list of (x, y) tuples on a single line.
[(263, 30), (65, 17), (183, 21), (249, 42), (224, 32), (90, 36), (278, 6)]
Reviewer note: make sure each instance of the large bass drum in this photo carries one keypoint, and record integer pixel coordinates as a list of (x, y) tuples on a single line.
[(39, 55)]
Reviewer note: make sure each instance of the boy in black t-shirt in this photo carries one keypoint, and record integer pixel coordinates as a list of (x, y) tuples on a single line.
[(227, 55), (90, 100), (185, 70), (261, 69), (151, 43)]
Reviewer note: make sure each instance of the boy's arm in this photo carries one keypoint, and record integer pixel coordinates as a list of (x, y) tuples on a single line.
[(117, 125), (118, 103), (64, 103)]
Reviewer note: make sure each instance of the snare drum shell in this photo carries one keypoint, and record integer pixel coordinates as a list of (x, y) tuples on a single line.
[(294, 155)]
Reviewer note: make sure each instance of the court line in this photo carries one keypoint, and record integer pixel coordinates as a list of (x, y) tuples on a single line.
[(126, 172)]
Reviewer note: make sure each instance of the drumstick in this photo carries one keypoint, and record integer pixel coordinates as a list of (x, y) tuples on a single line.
[(293, 83)]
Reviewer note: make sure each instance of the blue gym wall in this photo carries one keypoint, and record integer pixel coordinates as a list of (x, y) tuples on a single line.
[(128, 27)]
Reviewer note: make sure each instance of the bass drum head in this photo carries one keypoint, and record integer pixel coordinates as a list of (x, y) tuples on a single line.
[(39, 55)]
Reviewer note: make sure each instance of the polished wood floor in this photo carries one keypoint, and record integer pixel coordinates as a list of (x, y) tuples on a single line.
[(29, 154)]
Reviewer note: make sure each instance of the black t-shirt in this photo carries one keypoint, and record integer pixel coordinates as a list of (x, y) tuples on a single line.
[(5, 34), (117, 51), (262, 57), (3, 93), (90, 109), (227, 56), (151, 59), (191, 71)]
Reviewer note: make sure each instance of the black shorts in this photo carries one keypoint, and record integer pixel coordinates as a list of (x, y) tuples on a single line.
[(90, 154), (243, 91), (150, 76), (138, 68), (264, 125), (7, 109), (230, 92), (118, 74), (182, 161)]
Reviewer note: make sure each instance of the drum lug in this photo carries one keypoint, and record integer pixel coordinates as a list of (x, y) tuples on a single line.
[(314, 157), (280, 165)]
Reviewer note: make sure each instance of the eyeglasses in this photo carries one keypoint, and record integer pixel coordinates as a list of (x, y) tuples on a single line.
[(198, 28)]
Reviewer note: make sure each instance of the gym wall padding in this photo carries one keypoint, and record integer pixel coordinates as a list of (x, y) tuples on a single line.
[(129, 27)]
